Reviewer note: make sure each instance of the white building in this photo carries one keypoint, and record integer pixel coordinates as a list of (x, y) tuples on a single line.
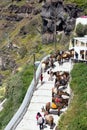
[(79, 45), (82, 20)]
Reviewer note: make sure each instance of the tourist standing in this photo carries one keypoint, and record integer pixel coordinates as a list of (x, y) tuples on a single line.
[(41, 78), (40, 120)]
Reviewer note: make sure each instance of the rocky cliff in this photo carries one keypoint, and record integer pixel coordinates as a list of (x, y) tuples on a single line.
[(19, 20), (57, 16)]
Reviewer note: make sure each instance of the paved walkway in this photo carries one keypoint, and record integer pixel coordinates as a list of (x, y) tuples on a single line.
[(41, 96)]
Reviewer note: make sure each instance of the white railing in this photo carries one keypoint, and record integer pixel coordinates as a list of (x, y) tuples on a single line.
[(23, 108)]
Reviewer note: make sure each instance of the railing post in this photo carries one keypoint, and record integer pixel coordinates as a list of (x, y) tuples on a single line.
[(34, 70)]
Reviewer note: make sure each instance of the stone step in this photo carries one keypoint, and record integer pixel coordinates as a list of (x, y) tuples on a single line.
[(36, 106), (43, 92), (42, 95), (41, 99)]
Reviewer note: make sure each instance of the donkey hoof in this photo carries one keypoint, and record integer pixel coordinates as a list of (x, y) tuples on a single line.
[(58, 114)]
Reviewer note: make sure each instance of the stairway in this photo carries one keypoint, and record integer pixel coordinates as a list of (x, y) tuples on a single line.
[(42, 95)]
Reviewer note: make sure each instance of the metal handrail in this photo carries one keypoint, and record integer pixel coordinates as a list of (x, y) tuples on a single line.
[(24, 106)]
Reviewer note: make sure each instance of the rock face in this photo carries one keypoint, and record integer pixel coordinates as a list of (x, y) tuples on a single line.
[(7, 63), (27, 8), (23, 9), (13, 18), (57, 17)]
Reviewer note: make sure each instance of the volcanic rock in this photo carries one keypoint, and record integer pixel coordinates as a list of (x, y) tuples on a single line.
[(58, 17)]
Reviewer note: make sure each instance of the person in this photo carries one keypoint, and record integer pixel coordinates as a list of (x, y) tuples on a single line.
[(76, 55), (40, 120), (50, 75), (43, 67), (51, 62), (41, 78)]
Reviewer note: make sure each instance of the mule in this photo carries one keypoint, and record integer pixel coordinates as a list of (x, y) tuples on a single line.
[(48, 118), (58, 92), (58, 106), (57, 100), (66, 55)]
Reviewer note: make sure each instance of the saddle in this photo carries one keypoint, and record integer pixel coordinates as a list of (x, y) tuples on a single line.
[(53, 105)]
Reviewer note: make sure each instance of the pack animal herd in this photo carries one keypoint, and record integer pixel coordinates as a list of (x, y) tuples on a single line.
[(61, 81)]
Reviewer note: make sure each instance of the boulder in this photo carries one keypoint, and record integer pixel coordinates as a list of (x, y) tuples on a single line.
[(36, 11), (22, 9), (13, 18), (57, 16)]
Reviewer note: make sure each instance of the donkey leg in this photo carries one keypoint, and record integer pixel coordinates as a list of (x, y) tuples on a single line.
[(51, 125), (58, 111)]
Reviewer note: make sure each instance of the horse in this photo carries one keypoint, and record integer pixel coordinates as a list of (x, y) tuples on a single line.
[(60, 81), (59, 93), (59, 59), (48, 118), (60, 100), (66, 55), (65, 74), (45, 65), (61, 78), (53, 105), (49, 62), (55, 54)]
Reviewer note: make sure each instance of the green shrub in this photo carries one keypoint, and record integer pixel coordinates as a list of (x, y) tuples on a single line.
[(76, 115), (80, 3), (22, 51), (85, 29), (16, 89), (80, 30)]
